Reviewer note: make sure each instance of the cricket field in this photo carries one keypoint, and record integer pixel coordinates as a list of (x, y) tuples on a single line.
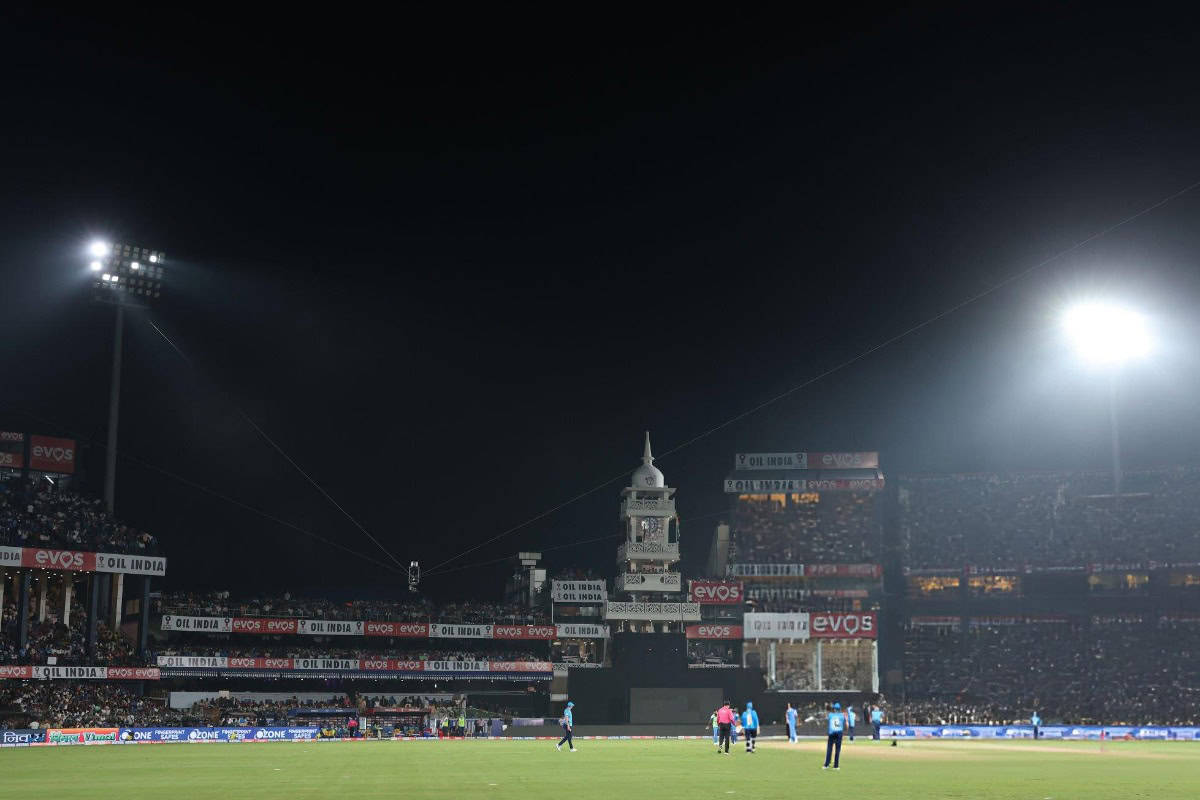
[(605, 770)]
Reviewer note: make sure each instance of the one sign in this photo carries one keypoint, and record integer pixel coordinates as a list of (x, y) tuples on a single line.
[(869, 460), (766, 570), (845, 485), (452, 631), (835, 625), (721, 593), (762, 485), (775, 626), (650, 581), (653, 612), (130, 564), (328, 627), (580, 631), (778, 461), (50, 454), (714, 630), (578, 591), (171, 622), (770, 461)]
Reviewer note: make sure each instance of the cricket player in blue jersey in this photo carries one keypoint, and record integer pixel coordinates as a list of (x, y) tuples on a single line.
[(750, 726), (876, 722), (1036, 722), (792, 718), (852, 716), (716, 730), (833, 744), (568, 726)]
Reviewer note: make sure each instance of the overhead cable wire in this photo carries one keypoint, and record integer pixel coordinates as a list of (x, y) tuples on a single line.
[(125, 456), (287, 457), (974, 298)]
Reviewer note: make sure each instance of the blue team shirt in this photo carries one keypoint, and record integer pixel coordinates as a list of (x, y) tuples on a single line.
[(791, 716), (1035, 720), (750, 719), (837, 721), (569, 717), (877, 716), (852, 717)]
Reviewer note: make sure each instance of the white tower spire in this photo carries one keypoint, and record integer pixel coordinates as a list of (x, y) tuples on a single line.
[(648, 476)]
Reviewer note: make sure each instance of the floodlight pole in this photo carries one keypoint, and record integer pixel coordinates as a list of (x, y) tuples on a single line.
[(1116, 435), (114, 411)]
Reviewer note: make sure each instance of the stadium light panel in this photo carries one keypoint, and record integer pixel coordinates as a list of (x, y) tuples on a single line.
[(1107, 335), (98, 248), (135, 265), (96, 266)]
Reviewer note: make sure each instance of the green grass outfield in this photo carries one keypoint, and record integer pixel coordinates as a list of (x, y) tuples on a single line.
[(603, 770)]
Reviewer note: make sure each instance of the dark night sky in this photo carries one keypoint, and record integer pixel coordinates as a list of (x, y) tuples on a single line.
[(455, 267)]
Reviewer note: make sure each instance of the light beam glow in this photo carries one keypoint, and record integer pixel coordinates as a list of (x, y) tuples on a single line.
[(1107, 335)]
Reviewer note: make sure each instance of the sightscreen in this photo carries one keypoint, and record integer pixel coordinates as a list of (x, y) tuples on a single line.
[(672, 705)]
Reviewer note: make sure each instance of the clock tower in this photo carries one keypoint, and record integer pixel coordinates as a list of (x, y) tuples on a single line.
[(648, 583)]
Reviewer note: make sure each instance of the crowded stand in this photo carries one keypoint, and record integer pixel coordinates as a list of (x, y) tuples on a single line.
[(50, 638), (42, 514), (68, 704), (221, 604), (830, 528), (1050, 518), (1117, 670)]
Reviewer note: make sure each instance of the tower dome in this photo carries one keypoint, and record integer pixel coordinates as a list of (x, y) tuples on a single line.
[(648, 476)]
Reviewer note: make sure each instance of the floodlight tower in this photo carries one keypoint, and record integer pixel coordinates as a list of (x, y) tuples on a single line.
[(1109, 336), (125, 276)]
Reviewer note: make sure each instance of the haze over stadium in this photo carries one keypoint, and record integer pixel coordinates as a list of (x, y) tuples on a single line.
[(407, 382)]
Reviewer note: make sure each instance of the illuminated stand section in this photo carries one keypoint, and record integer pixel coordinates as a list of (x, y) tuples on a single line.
[(806, 547), (648, 577)]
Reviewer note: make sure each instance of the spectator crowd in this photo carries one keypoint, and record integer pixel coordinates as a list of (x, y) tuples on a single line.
[(41, 514), (834, 528), (1115, 670), (1050, 518)]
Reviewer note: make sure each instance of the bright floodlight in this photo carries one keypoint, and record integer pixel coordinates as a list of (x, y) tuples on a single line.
[(98, 248), (95, 265), (1106, 334), (154, 258)]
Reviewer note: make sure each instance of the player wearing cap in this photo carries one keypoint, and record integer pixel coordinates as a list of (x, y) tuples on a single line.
[(750, 726), (833, 743), (568, 726)]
